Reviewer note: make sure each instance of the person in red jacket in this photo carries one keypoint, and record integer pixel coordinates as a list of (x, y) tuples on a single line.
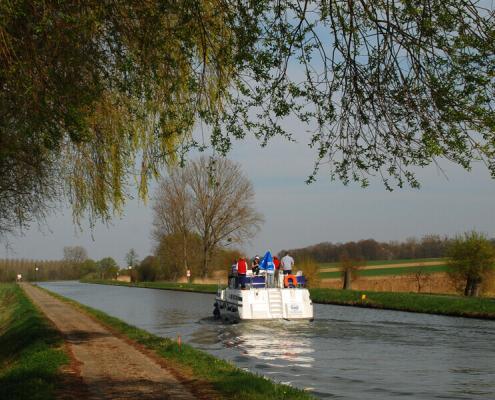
[(241, 271), (241, 266), (276, 263)]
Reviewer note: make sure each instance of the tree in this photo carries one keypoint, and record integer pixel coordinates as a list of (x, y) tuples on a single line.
[(87, 267), (421, 276), (349, 267), (84, 90), (173, 216), (131, 258), (170, 255), (471, 257), (74, 256), (215, 202), (383, 87), (148, 269), (222, 204), (108, 268)]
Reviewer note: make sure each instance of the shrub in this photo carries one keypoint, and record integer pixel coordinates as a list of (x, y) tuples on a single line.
[(310, 270)]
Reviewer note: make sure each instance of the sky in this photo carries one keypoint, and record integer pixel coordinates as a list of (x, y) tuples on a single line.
[(296, 214)]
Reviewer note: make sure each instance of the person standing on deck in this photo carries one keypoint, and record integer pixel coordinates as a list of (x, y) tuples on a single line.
[(241, 267), (268, 266), (276, 263), (287, 263), (256, 265)]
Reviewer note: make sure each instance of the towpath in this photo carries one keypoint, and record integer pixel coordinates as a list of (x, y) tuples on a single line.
[(109, 366)]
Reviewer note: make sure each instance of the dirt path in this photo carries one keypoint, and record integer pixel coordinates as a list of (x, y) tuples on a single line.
[(383, 266), (110, 367)]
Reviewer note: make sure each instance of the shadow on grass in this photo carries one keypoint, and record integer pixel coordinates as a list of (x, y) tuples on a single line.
[(29, 360)]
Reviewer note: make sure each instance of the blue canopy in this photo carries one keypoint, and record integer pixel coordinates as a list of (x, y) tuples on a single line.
[(267, 262)]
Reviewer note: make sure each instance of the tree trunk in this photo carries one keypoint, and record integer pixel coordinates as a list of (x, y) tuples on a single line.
[(476, 286), (205, 263), (184, 254), (473, 286), (347, 279), (467, 289), (476, 289)]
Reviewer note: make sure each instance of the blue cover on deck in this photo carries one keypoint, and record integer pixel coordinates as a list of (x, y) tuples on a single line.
[(301, 280), (267, 262), (258, 281)]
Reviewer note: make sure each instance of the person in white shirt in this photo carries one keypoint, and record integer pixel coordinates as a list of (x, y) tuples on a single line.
[(287, 263)]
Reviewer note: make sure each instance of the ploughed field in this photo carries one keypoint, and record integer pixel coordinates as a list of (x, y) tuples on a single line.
[(388, 267), (410, 275)]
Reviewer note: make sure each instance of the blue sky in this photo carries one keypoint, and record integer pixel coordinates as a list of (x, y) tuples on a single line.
[(296, 214)]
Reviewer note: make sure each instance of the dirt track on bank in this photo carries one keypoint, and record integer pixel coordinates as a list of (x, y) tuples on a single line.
[(108, 366)]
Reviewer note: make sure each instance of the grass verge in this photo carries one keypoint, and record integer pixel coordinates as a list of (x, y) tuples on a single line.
[(30, 353), (184, 287), (414, 302), (229, 381)]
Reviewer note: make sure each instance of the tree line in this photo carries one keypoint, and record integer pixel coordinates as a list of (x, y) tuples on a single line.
[(429, 246), (73, 266)]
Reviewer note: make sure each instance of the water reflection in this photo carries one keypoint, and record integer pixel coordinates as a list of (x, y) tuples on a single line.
[(271, 341)]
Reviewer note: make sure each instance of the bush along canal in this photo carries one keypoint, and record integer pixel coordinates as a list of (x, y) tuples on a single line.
[(31, 354), (202, 374), (458, 306)]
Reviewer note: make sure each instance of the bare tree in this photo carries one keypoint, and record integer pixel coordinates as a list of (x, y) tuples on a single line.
[(131, 258), (222, 203), (421, 277), (349, 267), (172, 211), (209, 198), (75, 254)]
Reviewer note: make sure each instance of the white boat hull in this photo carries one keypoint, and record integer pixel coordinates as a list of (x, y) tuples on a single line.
[(264, 303)]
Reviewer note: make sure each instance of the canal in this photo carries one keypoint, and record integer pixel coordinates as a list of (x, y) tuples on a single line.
[(346, 353)]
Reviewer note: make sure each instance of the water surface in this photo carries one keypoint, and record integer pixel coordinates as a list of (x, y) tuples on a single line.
[(346, 353)]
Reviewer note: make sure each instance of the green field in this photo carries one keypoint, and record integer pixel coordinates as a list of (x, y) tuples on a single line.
[(389, 271), (383, 262), (30, 352)]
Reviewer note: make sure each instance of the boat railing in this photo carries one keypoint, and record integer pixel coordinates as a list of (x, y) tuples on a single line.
[(259, 281)]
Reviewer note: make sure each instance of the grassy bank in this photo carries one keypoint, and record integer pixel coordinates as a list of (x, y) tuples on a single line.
[(228, 380), (422, 303), (30, 354), (185, 287)]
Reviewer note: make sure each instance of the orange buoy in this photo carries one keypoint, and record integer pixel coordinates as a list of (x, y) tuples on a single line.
[(290, 278)]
